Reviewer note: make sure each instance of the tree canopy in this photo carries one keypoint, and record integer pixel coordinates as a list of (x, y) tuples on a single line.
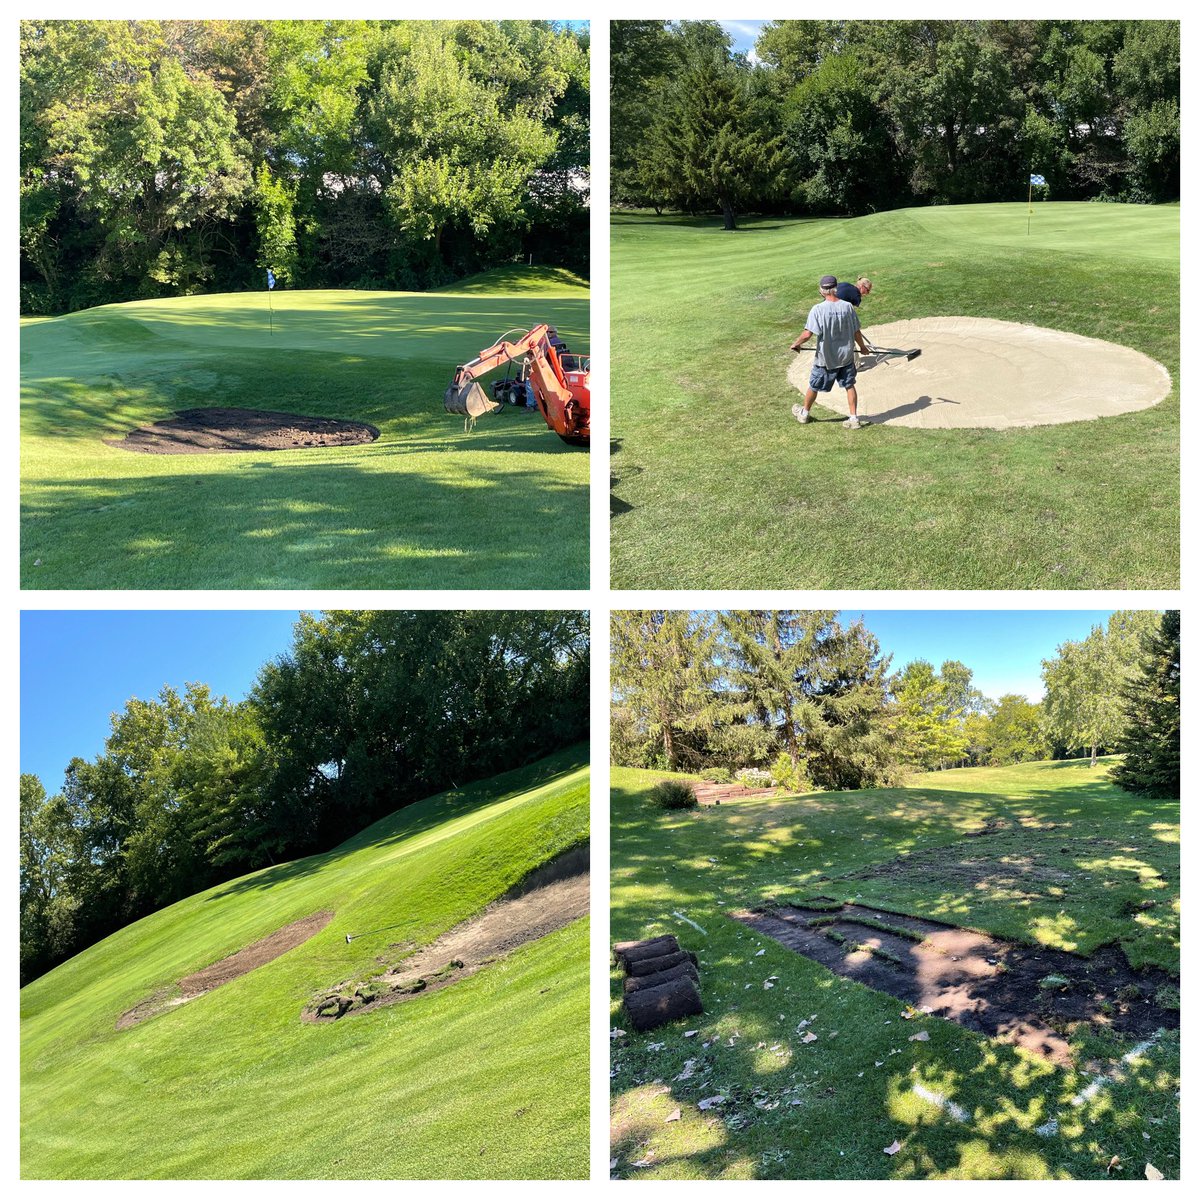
[(851, 116), (367, 712), (171, 157)]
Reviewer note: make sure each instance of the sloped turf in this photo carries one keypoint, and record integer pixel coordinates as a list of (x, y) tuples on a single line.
[(425, 506), (717, 486), (485, 1079), (827, 1108)]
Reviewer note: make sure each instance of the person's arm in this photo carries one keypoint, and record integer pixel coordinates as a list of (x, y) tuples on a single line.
[(802, 339)]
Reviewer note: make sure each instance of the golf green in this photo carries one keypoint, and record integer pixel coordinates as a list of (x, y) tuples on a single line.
[(484, 1079), (425, 506), (716, 485)]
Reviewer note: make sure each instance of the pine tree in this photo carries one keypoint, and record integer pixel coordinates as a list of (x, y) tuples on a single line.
[(1150, 741)]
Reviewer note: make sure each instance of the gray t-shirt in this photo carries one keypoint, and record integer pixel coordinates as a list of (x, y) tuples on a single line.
[(834, 326)]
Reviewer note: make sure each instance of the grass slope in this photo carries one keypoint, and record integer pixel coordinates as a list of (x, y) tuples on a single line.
[(484, 1079), (716, 486), (423, 507), (827, 1109)]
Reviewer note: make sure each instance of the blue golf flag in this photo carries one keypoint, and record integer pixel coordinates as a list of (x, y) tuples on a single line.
[(270, 279), (1038, 180)]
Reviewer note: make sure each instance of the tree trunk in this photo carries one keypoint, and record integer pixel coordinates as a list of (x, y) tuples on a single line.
[(1093, 754), (727, 211)]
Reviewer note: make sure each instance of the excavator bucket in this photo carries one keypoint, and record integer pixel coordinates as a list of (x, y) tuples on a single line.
[(468, 399)]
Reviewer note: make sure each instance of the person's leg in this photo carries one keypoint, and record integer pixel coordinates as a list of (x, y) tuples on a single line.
[(852, 400), (809, 398)]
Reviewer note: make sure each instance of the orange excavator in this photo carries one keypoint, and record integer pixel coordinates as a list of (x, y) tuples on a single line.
[(548, 378)]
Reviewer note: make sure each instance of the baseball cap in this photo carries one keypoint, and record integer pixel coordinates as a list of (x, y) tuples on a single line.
[(828, 281)]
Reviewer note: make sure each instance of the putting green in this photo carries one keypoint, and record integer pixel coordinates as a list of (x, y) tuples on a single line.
[(424, 506), (715, 486), (973, 373)]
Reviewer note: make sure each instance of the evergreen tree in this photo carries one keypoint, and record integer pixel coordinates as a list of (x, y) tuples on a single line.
[(662, 679), (1150, 741)]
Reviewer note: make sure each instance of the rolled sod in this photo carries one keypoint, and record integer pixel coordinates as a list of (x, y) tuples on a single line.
[(656, 1006), (640, 983), (650, 966), (627, 952)]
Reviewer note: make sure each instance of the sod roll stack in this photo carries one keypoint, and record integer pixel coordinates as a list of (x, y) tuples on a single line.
[(662, 981)]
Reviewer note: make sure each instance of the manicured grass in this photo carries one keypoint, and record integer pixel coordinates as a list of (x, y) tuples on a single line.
[(717, 486), (486, 1079), (827, 1109), (425, 506)]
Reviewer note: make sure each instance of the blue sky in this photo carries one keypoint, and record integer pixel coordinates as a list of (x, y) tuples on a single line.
[(744, 34), (78, 667), (1004, 649)]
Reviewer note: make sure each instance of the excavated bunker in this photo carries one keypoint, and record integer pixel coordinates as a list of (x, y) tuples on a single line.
[(982, 374), (1030, 996), (245, 960), (549, 898), (234, 430)]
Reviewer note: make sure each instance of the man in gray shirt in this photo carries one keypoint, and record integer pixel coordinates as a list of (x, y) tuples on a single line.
[(834, 324)]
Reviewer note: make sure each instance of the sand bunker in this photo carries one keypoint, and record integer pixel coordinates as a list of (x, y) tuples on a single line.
[(1028, 995), (245, 960), (233, 430), (549, 898), (976, 373)]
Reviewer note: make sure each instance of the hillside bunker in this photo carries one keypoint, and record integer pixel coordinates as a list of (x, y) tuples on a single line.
[(976, 373), (549, 898), (1030, 996), (201, 982), (240, 430)]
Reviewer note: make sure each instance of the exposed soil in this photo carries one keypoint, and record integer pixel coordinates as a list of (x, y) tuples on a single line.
[(231, 430), (1030, 996), (548, 898), (716, 793), (245, 960)]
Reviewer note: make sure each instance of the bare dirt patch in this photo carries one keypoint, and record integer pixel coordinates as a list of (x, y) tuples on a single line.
[(243, 961), (979, 373), (232, 430), (1030, 996), (548, 898)]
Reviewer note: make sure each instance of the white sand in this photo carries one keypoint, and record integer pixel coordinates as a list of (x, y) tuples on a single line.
[(986, 374)]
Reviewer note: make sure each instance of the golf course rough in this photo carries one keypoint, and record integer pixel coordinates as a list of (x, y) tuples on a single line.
[(423, 506), (796, 1071), (974, 373), (487, 1079), (715, 484)]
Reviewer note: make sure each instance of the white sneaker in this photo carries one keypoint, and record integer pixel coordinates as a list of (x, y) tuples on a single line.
[(800, 413), (853, 423)]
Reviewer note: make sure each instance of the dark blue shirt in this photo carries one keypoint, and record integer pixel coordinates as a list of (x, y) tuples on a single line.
[(847, 291)]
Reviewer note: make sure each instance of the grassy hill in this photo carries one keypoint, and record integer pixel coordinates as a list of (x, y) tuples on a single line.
[(487, 1078), (715, 486), (424, 506), (1043, 854)]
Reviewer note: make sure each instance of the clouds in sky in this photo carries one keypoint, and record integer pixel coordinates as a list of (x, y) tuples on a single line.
[(744, 34)]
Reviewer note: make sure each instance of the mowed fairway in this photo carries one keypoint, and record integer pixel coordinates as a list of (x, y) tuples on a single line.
[(425, 506), (487, 1078), (816, 1073), (716, 485)]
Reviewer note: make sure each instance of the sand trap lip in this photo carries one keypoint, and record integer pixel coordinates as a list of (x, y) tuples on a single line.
[(982, 374), (239, 430), (991, 986), (549, 898), (234, 965)]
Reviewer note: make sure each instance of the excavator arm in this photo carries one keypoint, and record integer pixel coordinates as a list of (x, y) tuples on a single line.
[(562, 412)]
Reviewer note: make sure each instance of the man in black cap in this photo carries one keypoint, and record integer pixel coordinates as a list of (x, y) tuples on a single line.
[(834, 324)]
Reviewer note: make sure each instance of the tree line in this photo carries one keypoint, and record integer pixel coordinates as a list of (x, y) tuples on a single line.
[(809, 702), (367, 712), (852, 117), (163, 158)]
